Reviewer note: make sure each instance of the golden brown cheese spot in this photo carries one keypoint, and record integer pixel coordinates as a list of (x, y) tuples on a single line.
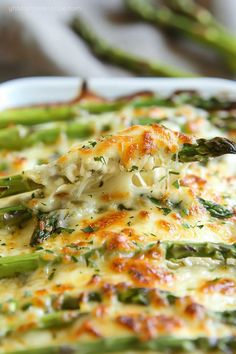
[(148, 145), (95, 280), (108, 220), (195, 311), (62, 159), (153, 253), (61, 288), (147, 327), (88, 328), (223, 286), (166, 226), (114, 196), (41, 292), (130, 232), (26, 327), (157, 299), (100, 311), (129, 154), (164, 138), (185, 139), (117, 241), (142, 272), (143, 214), (19, 162), (193, 181), (109, 142)]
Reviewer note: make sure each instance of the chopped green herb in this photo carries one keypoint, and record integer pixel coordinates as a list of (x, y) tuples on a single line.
[(174, 173), (51, 275), (48, 224), (134, 168), (123, 207), (216, 210), (162, 178), (166, 211), (100, 159), (88, 229), (155, 201), (176, 184)]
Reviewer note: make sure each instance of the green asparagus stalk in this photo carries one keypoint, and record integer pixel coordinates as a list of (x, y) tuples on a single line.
[(13, 265), (227, 123), (70, 308), (163, 344), (39, 115), (143, 297), (14, 215), (193, 10), (52, 320), (216, 210), (202, 16), (118, 57), (175, 251), (22, 137), (205, 149), (185, 97), (48, 224), (228, 317), (16, 184), (58, 319), (18, 137), (209, 35)]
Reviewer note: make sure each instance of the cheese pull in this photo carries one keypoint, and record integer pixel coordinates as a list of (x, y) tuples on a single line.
[(139, 148)]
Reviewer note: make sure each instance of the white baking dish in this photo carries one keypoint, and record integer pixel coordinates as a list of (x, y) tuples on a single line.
[(28, 91)]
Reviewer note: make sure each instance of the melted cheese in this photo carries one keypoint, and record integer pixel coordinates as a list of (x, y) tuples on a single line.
[(112, 187)]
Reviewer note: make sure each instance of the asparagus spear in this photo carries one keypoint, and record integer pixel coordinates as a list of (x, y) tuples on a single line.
[(65, 318), (47, 225), (48, 321), (143, 296), (118, 57), (217, 210), (205, 149), (184, 97), (14, 215), (58, 319), (11, 266), (200, 14), (162, 16), (17, 138), (227, 123), (178, 250), (162, 344), (228, 317), (16, 184), (39, 115), (14, 265)]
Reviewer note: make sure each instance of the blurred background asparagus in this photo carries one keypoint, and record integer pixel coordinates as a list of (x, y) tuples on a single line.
[(170, 38)]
